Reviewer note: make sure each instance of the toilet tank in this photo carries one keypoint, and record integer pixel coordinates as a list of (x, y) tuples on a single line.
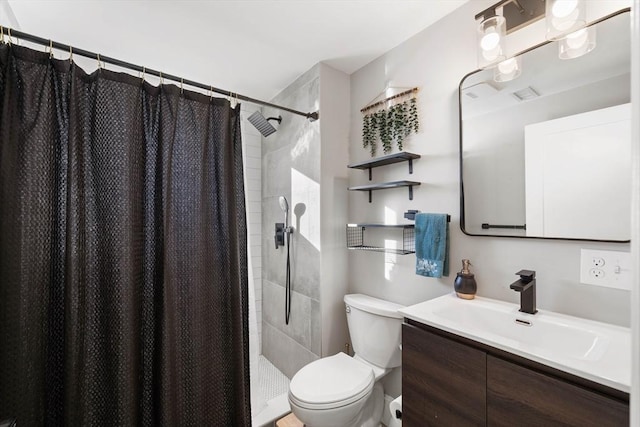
[(375, 328)]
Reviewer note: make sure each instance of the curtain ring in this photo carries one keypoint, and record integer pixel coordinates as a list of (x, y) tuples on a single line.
[(211, 92), (161, 78), (181, 85), (99, 63), (9, 36), (70, 54), (1, 34), (50, 49)]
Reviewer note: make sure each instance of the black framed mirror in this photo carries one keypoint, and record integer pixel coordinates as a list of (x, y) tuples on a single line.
[(547, 154)]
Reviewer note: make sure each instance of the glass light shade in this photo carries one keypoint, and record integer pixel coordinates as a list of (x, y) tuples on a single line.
[(577, 43), (491, 33), (508, 69), (564, 17)]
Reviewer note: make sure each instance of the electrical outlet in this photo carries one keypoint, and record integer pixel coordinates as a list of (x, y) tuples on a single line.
[(611, 269)]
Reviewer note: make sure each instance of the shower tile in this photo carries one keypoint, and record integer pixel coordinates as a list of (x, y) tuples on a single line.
[(285, 353), (274, 313), (305, 270), (316, 327), (277, 173)]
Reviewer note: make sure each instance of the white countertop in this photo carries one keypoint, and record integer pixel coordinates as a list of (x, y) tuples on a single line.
[(597, 351)]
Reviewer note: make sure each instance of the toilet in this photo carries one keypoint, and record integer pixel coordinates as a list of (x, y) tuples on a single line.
[(345, 391)]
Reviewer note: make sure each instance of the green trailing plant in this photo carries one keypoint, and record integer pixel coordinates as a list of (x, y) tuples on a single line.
[(384, 129), (391, 125), (368, 134), (413, 115)]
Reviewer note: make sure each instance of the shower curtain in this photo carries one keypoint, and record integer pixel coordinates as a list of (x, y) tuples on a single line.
[(123, 270)]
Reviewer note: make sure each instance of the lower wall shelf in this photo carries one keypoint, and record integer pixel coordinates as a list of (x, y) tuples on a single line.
[(386, 185), (355, 238)]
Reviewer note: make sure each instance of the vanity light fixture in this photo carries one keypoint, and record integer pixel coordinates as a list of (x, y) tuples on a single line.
[(564, 17), (499, 20), (508, 70)]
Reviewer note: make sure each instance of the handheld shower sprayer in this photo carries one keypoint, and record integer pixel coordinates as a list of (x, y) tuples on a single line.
[(282, 230), (284, 205)]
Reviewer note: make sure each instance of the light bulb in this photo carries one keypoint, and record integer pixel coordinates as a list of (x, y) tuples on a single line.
[(577, 39), (508, 70), (507, 66), (577, 43), (490, 40), (563, 8), (490, 33), (564, 17)]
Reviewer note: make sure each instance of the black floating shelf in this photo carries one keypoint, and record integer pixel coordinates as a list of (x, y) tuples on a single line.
[(355, 238), (386, 160), (386, 185)]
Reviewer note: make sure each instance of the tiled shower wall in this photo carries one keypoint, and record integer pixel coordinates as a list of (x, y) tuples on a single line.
[(291, 165), (252, 152)]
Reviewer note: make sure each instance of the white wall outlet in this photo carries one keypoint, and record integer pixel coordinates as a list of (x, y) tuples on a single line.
[(611, 269)]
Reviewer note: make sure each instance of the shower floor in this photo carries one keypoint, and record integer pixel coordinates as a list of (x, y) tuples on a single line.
[(271, 381), (273, 386)]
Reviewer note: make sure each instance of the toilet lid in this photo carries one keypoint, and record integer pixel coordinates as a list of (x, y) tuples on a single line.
[(331, 381)]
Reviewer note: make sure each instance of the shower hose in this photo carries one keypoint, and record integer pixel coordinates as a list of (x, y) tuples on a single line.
[(287, 297)]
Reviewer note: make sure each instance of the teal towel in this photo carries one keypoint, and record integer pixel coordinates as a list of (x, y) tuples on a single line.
[(432, 245)]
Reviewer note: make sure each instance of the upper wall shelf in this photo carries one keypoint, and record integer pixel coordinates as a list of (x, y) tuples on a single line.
[(386, 160)]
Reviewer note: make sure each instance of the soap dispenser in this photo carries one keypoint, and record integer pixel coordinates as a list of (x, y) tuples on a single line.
[(465, 284)]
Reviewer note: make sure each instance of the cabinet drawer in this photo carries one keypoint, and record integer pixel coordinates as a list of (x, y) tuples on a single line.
[(443, 382), (522, 397)]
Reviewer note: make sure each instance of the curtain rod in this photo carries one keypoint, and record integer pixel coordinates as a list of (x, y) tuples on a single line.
[(76, 51)]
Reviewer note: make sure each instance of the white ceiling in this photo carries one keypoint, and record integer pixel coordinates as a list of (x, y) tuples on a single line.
[(254, 47)]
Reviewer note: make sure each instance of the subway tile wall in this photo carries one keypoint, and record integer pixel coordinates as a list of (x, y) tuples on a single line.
[(252, 153)]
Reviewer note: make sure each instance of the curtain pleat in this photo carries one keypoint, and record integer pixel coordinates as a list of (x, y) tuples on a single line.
[(123, 270)]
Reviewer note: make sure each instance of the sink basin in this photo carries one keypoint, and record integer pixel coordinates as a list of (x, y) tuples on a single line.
[(593, 350)]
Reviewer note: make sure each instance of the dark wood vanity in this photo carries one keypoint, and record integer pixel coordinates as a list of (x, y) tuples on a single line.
[(448, 380)]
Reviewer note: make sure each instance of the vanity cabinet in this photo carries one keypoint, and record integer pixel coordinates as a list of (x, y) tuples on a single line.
[(453, 381)]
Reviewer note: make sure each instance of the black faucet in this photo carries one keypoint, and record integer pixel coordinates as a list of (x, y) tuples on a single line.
[(527, 288)]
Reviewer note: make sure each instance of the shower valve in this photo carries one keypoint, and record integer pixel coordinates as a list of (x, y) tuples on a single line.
[(280, 232)]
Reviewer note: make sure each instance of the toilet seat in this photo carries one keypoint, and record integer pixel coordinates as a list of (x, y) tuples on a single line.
[(331, 382)]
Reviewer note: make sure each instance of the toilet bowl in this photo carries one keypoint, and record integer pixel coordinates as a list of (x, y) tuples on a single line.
[(344, 391)]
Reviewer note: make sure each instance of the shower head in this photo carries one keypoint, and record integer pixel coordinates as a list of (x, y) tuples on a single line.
[(262, 124), (284, 205)]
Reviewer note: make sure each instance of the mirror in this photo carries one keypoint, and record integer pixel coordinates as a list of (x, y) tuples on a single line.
[(547, 155)]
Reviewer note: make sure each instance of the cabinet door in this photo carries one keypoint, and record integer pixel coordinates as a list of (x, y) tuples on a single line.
[(443, 382), (522, 397)]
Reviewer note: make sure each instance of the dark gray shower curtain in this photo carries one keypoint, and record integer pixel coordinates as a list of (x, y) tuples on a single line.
[(123, 271)]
